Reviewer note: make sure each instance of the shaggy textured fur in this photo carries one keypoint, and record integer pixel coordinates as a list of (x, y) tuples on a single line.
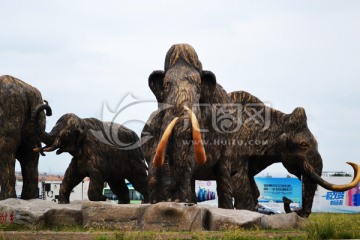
[(184, 83), (276, 137), (17, 136)]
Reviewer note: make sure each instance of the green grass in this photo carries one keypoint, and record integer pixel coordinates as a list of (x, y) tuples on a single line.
[(319, 226), (333, 226)]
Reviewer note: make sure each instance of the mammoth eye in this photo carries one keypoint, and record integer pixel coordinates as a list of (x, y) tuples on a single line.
[(304, 144)]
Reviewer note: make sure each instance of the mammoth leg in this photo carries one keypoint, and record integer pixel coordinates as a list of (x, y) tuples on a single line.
[(224, 189), (180, 188), (138, 179), (72, 178), (121, 190), (7, 169), (254, 189), (7, 182), (96, 186), (193, 193), (156, 191), (29, 161), (243, 194), (308, 192), (154, 178), (244, 198)]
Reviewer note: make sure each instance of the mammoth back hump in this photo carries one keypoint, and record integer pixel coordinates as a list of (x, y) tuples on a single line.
[(18, 100), (111, 133), (243, 97)]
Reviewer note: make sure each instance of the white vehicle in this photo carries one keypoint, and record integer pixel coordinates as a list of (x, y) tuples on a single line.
[(267, 210)]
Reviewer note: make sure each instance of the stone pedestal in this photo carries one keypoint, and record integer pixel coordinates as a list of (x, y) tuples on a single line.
[(33, 214)]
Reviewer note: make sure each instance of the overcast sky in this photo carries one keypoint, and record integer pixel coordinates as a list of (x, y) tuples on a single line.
[(84, 54)]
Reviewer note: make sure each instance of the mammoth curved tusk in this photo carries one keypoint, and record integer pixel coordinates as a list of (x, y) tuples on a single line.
[(199, 151), (49, 149), (159, 157), (339, 188), (37, 150)]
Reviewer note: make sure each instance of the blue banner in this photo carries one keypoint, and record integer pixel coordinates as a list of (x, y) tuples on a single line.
[(272, 190)]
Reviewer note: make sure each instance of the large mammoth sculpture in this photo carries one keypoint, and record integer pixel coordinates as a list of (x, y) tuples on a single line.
[(105, 152), (267, 136), (172, 143), (17, 136)]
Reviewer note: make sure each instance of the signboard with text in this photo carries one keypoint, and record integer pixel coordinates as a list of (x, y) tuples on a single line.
[(272, 190)]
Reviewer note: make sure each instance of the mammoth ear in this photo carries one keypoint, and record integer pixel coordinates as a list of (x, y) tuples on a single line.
[(297, 118), (285, 146), (156, 81), (208, 85)]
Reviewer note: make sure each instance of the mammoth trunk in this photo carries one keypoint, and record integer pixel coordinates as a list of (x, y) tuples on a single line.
[(333, 187), (44, 136), (199, 151)]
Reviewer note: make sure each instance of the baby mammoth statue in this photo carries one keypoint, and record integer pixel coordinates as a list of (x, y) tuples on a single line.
[(102, 151)]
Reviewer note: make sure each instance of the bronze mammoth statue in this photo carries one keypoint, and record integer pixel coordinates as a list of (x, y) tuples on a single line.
[(177, 151), (104, 152), (278, 137), (174, 147), (17, 136)]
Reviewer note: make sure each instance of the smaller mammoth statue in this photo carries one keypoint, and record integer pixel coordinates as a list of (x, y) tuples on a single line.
[(102, 151), (267, 136), (18, 101)]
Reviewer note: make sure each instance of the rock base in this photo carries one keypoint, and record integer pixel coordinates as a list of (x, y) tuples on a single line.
[(37, 213)]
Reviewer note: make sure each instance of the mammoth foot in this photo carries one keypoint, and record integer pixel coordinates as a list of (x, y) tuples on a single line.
[(177, 200), (64, 200), (302, 213), (97, 198)]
